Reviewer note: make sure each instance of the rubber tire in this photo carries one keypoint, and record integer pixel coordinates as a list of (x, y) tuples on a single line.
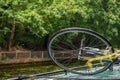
[(83, 30)]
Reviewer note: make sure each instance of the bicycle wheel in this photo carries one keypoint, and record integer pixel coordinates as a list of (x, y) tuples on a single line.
[(71, 48)]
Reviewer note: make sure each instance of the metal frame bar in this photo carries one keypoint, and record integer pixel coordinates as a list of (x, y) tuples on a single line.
[(38, 75)]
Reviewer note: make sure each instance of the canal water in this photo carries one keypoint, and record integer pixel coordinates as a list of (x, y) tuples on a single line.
[(115, 74)]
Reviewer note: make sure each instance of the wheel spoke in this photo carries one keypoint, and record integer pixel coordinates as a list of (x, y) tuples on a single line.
[(71, 49)]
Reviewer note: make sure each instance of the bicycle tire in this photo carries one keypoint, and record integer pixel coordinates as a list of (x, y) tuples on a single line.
[(81, 30)]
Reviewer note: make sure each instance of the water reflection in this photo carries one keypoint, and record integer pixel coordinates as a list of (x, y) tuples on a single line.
[(115, 74)]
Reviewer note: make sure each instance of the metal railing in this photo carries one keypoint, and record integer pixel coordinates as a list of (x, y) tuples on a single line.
[(41, 75), (16, 57), (28, 56)]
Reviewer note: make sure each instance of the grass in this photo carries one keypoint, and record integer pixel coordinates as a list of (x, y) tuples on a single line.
[(15, 70), (21, 69)]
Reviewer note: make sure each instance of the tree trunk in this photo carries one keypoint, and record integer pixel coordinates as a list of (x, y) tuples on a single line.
[(10, 42)]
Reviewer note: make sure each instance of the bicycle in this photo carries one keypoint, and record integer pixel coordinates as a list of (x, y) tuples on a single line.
[(81, 51)]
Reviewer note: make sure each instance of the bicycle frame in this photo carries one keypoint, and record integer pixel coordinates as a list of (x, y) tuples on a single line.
[(109, 57)]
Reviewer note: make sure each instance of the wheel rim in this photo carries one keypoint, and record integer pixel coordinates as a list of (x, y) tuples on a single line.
[(65, 47)]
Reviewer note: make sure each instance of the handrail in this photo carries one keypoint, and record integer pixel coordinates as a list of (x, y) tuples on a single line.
[(38, 75)]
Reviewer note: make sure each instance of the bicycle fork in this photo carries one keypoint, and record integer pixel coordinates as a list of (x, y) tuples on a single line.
[(80, 49)]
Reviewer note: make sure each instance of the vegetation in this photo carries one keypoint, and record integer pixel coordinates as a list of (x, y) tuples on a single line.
[(29, 23), (15, 70)]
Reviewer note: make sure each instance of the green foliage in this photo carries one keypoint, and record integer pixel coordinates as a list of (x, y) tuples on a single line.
[(36, 20), (14, 70)]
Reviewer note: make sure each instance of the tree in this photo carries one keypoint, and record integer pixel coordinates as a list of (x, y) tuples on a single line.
[(29, 23), (20, 13)]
